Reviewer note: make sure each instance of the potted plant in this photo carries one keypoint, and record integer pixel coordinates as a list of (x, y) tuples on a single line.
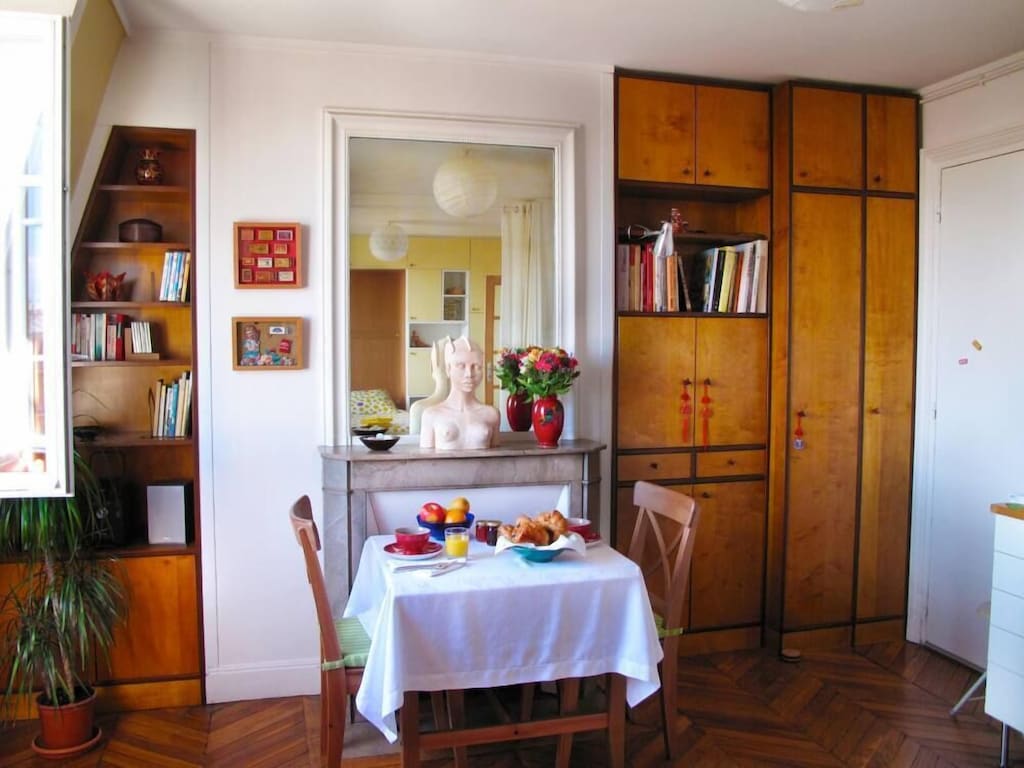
[(59, 612), (546, 373)]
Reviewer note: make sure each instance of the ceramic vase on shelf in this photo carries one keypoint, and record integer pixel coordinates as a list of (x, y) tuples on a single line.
[(519, 411), (148, 170), (548, 420)]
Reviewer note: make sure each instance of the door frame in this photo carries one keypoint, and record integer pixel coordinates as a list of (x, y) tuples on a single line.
[(933, 163)]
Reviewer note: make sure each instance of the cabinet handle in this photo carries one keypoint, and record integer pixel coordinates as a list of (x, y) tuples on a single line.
[(731, 462), (687, 172), (654, 465), (705, 413), (705, 495), (798, 433), (875, 410), (878, 178), (802, 174), (707, 172)]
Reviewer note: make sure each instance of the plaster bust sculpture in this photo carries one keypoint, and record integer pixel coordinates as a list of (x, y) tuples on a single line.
[(440, 376), (460, 420)]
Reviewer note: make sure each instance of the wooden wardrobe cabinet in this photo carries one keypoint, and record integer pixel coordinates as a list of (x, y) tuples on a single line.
[(687, 133), (844, 288)]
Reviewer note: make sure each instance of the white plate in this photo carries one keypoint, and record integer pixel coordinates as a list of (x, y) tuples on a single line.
[(433, 549)]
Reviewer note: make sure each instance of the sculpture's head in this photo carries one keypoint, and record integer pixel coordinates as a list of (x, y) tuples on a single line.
[(464, 362)]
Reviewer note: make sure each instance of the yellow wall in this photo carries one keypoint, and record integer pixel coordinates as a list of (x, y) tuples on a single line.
[(93, 51)]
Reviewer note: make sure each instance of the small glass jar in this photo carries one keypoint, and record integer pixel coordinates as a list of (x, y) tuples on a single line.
[(482, 528)]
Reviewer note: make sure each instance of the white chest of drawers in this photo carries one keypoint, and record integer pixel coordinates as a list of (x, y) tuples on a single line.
[(1004, 695)]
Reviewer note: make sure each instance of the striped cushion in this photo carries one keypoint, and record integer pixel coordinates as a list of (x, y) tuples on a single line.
[(659, 623), (355, 644)]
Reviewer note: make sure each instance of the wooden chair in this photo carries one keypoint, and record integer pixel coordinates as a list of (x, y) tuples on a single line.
[(344, 646), (344, 643), (662, 545)]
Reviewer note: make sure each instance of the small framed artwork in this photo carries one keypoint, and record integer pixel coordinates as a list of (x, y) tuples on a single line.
[(268, 255), (267, 343)]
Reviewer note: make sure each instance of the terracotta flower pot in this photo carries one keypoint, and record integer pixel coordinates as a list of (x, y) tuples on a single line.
[(66, 730)]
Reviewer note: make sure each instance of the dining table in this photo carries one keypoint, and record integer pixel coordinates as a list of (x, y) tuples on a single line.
[(501, 620)]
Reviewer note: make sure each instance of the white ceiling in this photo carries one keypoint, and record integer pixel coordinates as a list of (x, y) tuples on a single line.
[(898, 43)]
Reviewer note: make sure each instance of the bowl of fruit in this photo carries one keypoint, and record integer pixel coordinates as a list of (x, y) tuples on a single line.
[(438, 517)]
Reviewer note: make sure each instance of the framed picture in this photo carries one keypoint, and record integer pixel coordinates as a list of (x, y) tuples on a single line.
[(267, 344), (268, 255)]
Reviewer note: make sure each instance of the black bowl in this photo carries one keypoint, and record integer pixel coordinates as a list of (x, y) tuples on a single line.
[(379, 442), (368, 431)]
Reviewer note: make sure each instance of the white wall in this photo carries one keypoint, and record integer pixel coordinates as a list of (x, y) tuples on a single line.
[(257, 108)]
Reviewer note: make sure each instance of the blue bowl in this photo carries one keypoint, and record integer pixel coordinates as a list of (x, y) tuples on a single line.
[(437, 529), (538, 555)]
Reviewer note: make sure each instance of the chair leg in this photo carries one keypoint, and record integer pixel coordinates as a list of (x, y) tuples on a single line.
[(526, 693), (669, 696), (616, 721), (969, 693), (438, 708), (335, 716), (325, 713), (457, 716)]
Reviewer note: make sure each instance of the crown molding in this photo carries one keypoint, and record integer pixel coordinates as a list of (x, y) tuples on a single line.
[(973, 78)]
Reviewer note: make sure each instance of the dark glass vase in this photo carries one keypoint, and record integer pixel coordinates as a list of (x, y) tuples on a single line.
[(519, 411), (148, 170)]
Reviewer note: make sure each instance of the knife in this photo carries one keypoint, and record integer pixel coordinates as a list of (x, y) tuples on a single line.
[(451, 567), (423, 567)]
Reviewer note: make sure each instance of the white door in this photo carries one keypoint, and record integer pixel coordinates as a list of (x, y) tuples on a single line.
[(979, 421)]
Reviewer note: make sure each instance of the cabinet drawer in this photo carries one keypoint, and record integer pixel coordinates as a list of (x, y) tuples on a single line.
[(655, 466), (1008, 573), (1010, 536), (1006, 650), (1004, 696), (725, 463), (1008, 612)]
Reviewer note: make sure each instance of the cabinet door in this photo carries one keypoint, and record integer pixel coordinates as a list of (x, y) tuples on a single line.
[(419, 382), (656, 130), (161, 635), (732, 355), (825, 331), (655, 355), (423, 295), (728, 554), (890, 281), (827, 143), (732, 137), (892, 143)]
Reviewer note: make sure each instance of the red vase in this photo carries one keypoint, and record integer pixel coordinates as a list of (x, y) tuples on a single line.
[(518, 409), (548, 420)]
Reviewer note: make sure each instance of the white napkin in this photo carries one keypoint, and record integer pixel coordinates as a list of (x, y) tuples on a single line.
[(570, 540)]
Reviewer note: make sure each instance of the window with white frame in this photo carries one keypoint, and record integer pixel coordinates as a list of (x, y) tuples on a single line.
[(33, 368)]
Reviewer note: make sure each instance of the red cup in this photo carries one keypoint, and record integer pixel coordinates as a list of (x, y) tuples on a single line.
[(579, 525), (412, 540)]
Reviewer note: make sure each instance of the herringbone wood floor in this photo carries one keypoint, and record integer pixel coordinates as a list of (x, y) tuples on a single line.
[(883, 705)]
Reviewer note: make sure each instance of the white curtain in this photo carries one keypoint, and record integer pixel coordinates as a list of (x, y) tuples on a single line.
[(528, 274)]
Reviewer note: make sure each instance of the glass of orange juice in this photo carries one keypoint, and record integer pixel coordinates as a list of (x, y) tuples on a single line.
[(456, 541)]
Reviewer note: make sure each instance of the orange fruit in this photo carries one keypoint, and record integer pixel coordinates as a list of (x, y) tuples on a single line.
[(459, 502), (455, 516)]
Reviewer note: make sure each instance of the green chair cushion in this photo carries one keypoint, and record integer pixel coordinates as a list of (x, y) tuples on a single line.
[(355, 644), (659, 623)]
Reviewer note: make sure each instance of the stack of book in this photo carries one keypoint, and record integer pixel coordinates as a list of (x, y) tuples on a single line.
[(171, 405), (724, 279), (735, 278), (142, 337), (98, 335), (174, 282)]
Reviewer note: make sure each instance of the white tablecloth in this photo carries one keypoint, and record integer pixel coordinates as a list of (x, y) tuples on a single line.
[(500, 621)]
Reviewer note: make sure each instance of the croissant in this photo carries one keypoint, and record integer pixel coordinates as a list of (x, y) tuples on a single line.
[(555, 522), (526, 531)]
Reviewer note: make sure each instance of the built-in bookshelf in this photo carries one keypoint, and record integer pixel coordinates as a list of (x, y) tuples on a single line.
[(133, 385)]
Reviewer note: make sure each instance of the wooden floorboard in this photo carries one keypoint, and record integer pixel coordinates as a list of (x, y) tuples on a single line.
[(882, 706)]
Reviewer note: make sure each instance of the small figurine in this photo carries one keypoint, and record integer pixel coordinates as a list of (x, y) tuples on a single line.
[(250, 345)]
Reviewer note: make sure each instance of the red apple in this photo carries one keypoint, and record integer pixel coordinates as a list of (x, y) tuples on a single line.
[(432, 512)]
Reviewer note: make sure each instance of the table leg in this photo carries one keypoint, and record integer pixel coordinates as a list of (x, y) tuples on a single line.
[(568, 702), (1004, 747), (617, 721), (409, 729)]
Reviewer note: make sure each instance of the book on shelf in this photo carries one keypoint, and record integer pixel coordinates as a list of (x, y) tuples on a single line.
[(174, 280), (171, 405)]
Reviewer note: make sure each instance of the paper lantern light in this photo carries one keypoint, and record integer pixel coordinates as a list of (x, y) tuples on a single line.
[(465, 186), (389, 243)]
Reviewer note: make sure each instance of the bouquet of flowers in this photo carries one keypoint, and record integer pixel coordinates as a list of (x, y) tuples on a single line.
[(545, 372), (507, 368)]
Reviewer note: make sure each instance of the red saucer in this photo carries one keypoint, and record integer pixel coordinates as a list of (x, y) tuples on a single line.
[(431, 549)]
